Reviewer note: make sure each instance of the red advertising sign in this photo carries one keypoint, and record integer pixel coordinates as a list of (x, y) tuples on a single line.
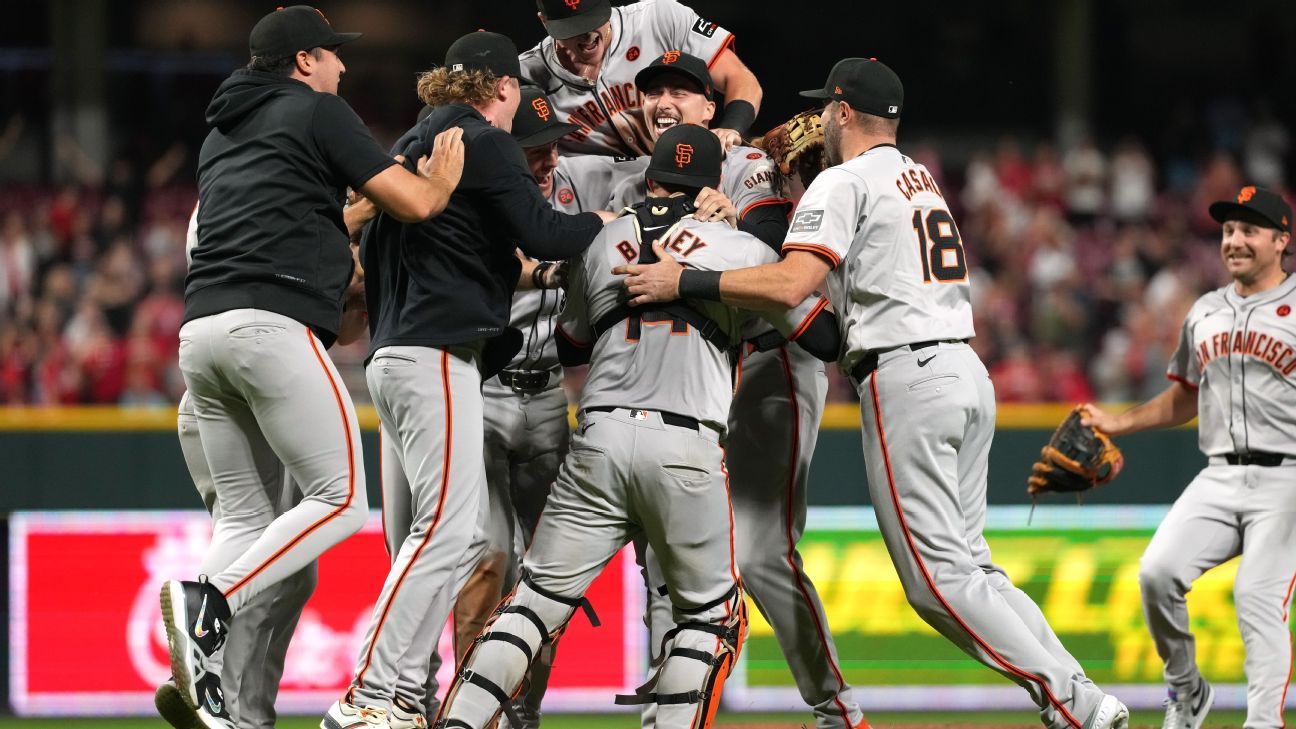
[(86, 584)]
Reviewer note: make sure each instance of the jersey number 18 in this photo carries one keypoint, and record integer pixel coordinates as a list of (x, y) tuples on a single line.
[(944, 257)]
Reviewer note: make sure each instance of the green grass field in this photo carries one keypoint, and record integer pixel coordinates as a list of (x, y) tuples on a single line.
[(1217, 720)]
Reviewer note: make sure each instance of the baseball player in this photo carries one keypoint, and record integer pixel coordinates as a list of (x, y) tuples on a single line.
[(438, 295), (877, 227), (1235, 368), (645, 458), (778, 402), (263, 300), (588, 62), (677, 88)]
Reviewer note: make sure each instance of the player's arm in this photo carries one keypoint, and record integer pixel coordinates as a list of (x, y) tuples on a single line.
[(782, 284), (355, 314), (742, 93), (413, 198), (1176, 405), (537, 275)]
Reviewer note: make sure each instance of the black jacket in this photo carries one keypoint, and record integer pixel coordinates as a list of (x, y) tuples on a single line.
[(272, 176), (450, 280)]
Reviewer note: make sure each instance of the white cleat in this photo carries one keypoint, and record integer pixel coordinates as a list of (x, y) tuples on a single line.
[(1190, 711), (342, 715), (399, 718), (1110, 714)]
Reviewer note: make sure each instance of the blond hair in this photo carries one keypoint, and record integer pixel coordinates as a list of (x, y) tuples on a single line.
[(442, 86)]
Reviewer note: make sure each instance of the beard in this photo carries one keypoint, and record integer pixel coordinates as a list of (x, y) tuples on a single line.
[(832, 140)]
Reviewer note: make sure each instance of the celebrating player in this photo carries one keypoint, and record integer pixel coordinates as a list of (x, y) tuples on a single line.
[(645, 457), (263, 301), (878, 228), (588, 62), (1233, 368)]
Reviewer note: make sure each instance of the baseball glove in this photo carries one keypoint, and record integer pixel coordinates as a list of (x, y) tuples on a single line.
[(1077, 458), (797, 146)]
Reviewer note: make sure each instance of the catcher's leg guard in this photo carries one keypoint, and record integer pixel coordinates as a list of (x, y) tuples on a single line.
[(699, 653), (491, 672)]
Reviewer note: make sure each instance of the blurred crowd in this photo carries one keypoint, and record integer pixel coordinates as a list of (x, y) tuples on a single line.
[(1084, 260)]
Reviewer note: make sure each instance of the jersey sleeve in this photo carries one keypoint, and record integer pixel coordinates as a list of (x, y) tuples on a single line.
[(749, 182), (681, 28), (346, 144), (573, 321), (826, 218), (1183, 367)]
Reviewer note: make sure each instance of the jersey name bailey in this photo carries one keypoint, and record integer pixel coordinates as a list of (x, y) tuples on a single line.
[(1266, 347)]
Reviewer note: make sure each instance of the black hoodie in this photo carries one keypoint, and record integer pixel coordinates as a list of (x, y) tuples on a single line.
[(272, 177), (450, 279)]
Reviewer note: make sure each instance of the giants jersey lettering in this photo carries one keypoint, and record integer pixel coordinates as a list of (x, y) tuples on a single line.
[(747, 179), (899, 270), (664, 365), (1239, 353), (608, 110)]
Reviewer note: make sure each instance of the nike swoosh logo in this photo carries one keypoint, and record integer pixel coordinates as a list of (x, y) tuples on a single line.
[(198, 628), (923, 362), (213, 705), (1201, 700)]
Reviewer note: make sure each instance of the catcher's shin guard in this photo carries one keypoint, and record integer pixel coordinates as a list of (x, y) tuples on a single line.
[(492, 669), (699, 654)]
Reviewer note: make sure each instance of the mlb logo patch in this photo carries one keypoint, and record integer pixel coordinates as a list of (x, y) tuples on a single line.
[(807, 221), (705, 27), (639, 414)]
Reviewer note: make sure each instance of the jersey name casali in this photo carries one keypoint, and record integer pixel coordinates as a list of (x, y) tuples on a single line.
[(1240, 354)]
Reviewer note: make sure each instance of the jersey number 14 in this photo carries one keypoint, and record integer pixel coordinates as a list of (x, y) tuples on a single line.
[(942, 257)]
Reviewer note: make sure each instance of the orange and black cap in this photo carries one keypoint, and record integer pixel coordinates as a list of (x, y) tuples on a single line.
[(569, 18), (867, 84), (535, 123), (689, 66), (296, 28), (688, 155), (1256, 205)]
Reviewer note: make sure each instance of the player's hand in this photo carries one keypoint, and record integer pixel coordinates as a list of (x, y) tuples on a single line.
[(447, 160), (652, 282), (1095, 416), (712, 205), (359, 209), (728, 138), (606, 216)]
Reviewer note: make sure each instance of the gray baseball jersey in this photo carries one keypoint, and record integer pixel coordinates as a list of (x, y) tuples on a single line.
[(1238, 354), (607, 110), (899, 270), (747, 179), (630, 379), (899, 286)]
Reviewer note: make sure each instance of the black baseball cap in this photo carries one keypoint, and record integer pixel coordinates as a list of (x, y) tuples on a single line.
[(687, 154), (297, 28), (684, 64), (867, 84), (484, 51), (569, 18), (1256, 205), (535, 123)]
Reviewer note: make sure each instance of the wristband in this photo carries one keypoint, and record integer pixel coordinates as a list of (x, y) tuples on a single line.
[(738, 116), (537, 274), (695, 284)]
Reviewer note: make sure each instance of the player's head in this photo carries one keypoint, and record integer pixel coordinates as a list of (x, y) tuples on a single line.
[(864, 97), (298, 42), (677, 89), (537, 130), (685, 159), (481, 70), (580, 28), (1256, 228)]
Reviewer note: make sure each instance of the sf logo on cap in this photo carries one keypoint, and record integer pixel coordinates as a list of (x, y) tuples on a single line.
[(573, 4), (1246, 194), (670, 56), (541, 109), (683, 154)]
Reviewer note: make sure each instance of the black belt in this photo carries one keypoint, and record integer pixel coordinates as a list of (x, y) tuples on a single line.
[(526, 382), (865, 367), (1255, 458), (681, 421)]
